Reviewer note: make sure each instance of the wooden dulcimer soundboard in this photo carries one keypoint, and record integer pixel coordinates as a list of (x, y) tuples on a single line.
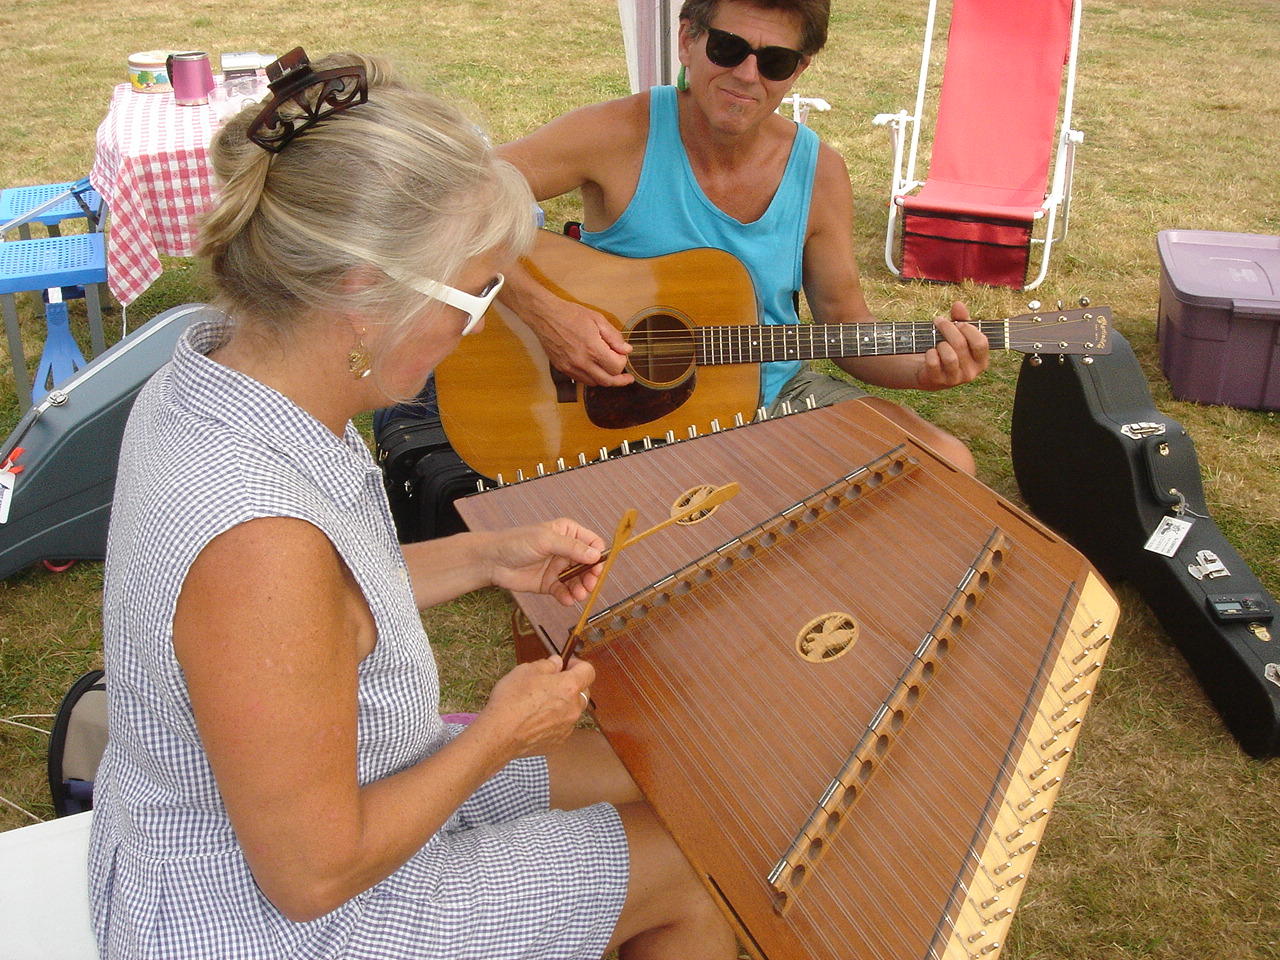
[(851, 691)]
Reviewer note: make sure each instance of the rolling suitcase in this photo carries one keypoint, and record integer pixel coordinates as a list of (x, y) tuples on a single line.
[(56, 507), (1096, 461)]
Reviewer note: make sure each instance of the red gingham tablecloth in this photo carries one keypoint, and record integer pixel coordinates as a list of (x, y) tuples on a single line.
[(152, 168)]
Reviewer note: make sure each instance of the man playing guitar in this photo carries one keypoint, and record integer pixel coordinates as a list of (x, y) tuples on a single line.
[(710, 163)]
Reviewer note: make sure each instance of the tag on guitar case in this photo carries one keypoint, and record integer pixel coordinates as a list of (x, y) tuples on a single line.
[(1168, 536)]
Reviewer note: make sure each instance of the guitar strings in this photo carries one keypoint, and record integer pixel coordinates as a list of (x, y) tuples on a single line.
[(883, 337)]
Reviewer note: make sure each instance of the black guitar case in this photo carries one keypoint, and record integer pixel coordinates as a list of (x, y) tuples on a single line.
[(1096, 461), (61, 500)]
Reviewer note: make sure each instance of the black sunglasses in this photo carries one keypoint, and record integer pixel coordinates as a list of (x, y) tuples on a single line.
[(726, 49)]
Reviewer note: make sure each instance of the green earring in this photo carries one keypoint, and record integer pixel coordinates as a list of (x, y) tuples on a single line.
[(682, 79)]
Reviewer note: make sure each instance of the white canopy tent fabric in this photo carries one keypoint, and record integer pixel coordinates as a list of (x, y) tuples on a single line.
[(651, 34)]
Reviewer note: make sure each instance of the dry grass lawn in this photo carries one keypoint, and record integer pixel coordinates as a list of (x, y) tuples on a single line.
[(1166, 841)]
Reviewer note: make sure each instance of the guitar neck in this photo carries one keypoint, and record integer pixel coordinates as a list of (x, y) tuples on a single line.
[(751, 343)]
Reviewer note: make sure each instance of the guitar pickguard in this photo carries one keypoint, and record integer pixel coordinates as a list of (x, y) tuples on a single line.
[(635, 405)]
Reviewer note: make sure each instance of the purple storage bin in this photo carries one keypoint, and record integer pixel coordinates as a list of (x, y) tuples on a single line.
[(1219, 317)]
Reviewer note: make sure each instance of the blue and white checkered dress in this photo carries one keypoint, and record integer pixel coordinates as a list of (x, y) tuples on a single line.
[(206, 449)]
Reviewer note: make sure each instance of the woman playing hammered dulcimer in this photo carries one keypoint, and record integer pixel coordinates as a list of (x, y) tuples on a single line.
[(279, 781)]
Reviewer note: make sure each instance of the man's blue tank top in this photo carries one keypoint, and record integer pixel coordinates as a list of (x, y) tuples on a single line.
[(669, 213)]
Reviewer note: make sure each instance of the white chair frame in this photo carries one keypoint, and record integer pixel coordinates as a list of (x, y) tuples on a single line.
[(1057, 200)]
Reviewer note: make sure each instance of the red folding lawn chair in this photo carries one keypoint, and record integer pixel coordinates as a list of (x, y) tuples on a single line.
[(987, 199)]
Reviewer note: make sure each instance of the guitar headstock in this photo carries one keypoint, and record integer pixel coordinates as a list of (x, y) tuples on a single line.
[(1085, 331)]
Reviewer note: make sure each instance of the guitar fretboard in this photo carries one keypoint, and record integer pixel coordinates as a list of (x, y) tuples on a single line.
[(750, 343)]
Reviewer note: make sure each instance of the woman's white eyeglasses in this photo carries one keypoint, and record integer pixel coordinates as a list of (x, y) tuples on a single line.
[(472, 305)]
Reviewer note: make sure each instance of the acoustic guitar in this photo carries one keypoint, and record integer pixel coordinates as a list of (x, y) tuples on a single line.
[(697, 345)]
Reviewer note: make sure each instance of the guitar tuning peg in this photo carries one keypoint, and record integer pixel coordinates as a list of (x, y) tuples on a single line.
[(1061, 359), (1087, 361), (1083, 301), (1033, 304), (1035, 360), (1059, 304)]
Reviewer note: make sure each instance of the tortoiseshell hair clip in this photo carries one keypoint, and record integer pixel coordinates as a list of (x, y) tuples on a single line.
[(289, 78)]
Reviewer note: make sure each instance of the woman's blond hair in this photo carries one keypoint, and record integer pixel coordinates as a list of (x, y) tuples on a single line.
[(403, 183)]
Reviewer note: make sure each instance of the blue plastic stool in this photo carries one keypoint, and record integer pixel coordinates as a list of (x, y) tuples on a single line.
[(61, 357), (42, 264), (15, 202)]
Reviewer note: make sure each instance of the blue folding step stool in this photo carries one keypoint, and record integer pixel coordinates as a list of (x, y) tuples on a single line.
[(29, 205), (41, 264), (61, 356), (49, 262)]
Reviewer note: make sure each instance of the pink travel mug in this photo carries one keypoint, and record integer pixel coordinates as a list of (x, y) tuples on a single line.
[(191, 76)]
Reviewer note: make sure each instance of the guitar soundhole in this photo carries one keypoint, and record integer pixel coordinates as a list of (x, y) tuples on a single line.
[(663, 349)]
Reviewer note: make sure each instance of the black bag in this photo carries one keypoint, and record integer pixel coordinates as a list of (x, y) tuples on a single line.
[(422, 473), (78, 740), (1096, 461)]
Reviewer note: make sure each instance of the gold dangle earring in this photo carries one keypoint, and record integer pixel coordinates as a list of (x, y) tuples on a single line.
[(359, 361)]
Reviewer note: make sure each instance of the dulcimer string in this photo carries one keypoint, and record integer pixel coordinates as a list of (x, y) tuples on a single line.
[(919, 835), (888, 603), (731, 600)]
